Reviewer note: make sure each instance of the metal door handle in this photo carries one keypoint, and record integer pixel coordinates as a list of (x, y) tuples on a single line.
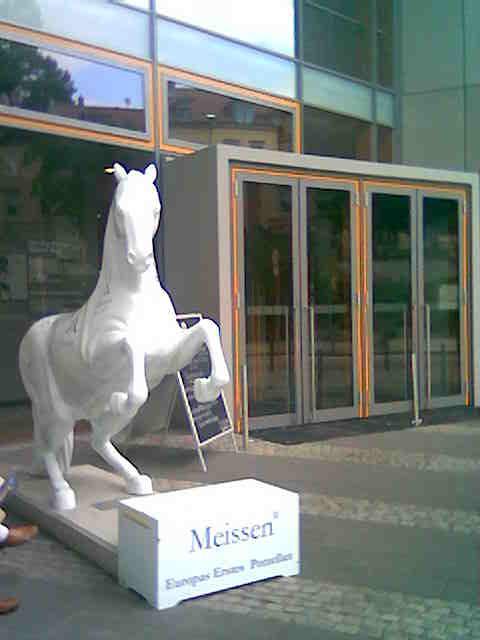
[(313, 372), (428, 345)]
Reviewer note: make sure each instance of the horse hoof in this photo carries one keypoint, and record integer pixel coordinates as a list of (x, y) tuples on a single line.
[(204, 391), (140, 486), (63, 500)]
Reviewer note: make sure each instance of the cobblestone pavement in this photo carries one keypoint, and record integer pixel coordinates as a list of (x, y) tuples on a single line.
[(351, 610), (332, 453), (342, 607), (357, 610)]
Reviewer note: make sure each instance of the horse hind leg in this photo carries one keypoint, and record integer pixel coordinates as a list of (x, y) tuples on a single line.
[(56, 456)]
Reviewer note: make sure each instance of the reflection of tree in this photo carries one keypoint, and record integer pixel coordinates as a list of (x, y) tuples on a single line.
[(67, 175), (30, 79)]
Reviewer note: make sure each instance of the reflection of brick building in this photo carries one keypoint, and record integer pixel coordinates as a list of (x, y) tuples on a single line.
[(209, 118), (124, 117)]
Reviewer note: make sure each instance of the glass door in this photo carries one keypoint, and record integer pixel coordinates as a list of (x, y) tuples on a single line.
[(443, 264), (268, 258), (392, 307), (330, 314)]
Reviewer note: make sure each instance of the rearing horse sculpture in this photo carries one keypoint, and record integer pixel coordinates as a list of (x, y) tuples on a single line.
[(99, 362)]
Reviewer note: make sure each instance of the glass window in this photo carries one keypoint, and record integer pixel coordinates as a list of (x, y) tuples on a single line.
[(472, 41), (206, 118), (336, 35), (385, 42), (136, 4), (179, 46), (94, 21), (336, 94), (385, 144), (42, 80), (329, 134), (472, 129), (54, 201), (385, 103), (269, 23)]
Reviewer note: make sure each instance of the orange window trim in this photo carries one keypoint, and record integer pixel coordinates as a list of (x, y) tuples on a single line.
[(32, 124), (361, 185), (236, 318), (97, 54), (209, 84)]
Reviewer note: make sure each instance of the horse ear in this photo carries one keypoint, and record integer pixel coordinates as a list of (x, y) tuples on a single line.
[(119, 172), (151, 172)]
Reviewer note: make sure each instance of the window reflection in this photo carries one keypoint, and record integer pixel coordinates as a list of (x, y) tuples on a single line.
[(53, 83), (209, 55), (269, 298), (269, 23), (54, 201), (329, 134), (96, 21), (329, 293), (337, 36), (385, 42), (206, 118), (385, 144)]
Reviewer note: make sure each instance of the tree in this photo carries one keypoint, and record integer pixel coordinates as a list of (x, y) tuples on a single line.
[(31, 79)]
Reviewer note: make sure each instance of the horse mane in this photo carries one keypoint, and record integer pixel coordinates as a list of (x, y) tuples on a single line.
[(85, 315)]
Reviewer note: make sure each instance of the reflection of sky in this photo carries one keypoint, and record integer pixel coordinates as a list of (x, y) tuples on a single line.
[(100, 84), (267, 23), (95, 21)]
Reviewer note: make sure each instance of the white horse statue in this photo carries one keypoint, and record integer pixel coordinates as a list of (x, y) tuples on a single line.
[(99, 362)]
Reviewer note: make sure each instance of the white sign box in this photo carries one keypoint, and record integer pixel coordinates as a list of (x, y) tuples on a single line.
[(182, 544)]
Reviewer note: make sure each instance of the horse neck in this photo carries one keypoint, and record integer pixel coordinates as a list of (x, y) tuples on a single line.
[(116, 273)]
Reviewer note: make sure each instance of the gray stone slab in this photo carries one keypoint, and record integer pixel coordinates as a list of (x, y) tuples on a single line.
[(446, 490), (88, 529), (399, 559), (427, 441)]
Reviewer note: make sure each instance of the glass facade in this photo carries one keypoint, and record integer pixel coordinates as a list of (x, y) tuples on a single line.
[(45, 81), (338, 21), (330, 134), (97, 22), (54, 201), (378, 80), (245, 21), (206, 118)]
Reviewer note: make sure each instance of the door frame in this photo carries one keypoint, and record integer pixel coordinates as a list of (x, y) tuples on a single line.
[(312, 414), (426, 400), (398, 406), (364, 184), (285, 419)]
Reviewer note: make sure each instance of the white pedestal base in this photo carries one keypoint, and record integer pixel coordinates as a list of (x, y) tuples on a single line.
[(182, 544)]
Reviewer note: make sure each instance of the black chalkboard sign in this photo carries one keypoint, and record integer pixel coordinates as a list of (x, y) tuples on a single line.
[(210, 419)]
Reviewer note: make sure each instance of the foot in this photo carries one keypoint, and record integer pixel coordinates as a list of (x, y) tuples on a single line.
[(20, 534), (140, 486), (8, 605), (63, 500)]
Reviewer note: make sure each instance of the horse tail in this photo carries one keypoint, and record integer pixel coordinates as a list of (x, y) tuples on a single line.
[(47, 406)]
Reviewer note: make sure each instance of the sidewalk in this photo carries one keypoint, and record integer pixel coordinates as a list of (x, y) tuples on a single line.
[(390, 534)]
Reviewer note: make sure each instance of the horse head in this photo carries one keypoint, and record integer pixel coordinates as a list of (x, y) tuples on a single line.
[(136, 214)]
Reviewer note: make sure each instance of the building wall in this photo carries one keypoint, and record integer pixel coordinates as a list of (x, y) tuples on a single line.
[(440, 83)]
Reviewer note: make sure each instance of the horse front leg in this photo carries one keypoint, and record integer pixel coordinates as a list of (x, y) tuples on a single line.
[(204, 332), (137, 391), (103, 429), (121, 408)]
